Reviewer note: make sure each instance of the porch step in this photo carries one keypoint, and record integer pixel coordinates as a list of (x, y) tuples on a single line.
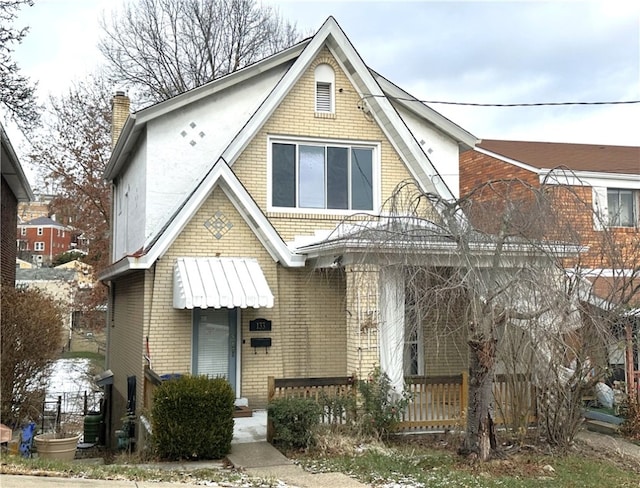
[(242, 411), (601, 427)]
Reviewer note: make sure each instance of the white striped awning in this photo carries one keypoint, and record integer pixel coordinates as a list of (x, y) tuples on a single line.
[(220, 283)]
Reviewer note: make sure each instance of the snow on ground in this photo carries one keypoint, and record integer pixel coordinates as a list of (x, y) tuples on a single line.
[(70, 379)]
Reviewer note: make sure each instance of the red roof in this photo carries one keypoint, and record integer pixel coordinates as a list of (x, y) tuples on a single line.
[(576, 157)]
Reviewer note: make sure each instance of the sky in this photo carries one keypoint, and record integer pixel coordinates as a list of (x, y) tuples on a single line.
[(492, 52)]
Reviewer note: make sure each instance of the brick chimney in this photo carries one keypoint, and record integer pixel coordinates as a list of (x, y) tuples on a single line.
[(119, 113)]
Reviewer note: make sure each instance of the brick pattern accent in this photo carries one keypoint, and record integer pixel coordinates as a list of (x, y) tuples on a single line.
[(9, 213)]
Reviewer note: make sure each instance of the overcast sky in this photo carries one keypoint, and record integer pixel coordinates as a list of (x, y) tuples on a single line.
[(481, 52)]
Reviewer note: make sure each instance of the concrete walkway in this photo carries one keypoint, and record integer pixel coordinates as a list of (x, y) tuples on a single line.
[(615, 446), (262, 460)]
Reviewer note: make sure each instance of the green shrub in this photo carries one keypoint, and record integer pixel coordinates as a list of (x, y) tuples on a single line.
[(294, 420), (192, 418), (380, 410)]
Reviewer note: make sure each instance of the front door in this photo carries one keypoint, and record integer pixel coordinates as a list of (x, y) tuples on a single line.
[(214, 343)]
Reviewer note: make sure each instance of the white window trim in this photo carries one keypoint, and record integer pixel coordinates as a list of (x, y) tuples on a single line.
[(23, 231), (324, 73), (635, 195), (376, 183), (40, 231), (38, 246)]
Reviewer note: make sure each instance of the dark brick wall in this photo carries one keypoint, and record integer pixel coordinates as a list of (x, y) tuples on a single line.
[(9, 222)]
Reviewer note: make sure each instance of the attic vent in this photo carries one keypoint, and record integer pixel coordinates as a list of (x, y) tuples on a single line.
[(325, 83), (323, 97)]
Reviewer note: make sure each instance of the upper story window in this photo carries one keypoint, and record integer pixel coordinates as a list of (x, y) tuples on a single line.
[(23, 231), (38, 246), (40, 231), (325, 87), (622, 205), (309, 175)]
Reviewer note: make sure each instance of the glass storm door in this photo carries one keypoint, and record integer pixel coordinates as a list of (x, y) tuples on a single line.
[(214, 344)]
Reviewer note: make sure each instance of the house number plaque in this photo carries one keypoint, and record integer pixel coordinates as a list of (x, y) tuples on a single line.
[(259, 325)]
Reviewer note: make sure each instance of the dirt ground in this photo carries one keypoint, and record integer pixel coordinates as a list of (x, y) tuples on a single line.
[(90, 341)]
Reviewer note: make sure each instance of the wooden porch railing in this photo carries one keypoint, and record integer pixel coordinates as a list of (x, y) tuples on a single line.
[(437, 402)]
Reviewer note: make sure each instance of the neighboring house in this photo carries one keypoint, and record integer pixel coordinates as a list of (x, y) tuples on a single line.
[(42, 239), (40, 206), (65, 284), (15, 188), (606, 178), (222, 199)]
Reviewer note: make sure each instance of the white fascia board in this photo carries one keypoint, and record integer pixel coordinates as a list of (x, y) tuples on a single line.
[(126, 141), (124, 265), (590, 178), (260, 225), (244, 204), (138, 120), (13, 173), (430, 115), (505, 159), (386, 116), (288, 81)]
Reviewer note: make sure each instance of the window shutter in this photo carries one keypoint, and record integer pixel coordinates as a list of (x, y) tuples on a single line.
[(323, 97)]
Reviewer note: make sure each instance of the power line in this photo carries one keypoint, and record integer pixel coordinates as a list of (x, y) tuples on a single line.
[(536, 104)]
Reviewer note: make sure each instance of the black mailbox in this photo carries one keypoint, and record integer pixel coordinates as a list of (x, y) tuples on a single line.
[(261, 342)]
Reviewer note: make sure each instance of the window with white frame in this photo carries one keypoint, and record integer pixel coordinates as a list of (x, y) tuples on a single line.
[(622, 205), (310, 175), (40, 231), (38, 246), (325, 83), (23, 231)]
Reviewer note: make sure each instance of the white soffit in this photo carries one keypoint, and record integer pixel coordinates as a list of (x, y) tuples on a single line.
[(220, 283)]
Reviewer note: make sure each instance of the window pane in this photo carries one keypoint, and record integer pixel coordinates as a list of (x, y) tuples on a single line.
[(311, 188), (338, 177), (362, 179), (283, 183), (626, 208)]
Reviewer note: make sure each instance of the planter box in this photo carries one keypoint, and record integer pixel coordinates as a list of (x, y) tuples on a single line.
[(50, 447)]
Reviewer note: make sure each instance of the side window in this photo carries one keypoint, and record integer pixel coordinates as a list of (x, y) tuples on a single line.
[(622, 207), (325, 89)]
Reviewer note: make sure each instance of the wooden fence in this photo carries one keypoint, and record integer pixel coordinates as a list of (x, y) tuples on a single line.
[(437, 402)]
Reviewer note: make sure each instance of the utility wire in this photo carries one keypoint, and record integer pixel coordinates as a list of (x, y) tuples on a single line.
[(537, 104)]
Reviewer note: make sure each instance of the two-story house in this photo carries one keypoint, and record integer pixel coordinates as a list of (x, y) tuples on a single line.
[(42, 239), (607, 180), (15, 188)]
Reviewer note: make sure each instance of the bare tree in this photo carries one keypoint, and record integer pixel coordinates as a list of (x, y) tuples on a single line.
[(17, 93), (166, 47), (512, 278), (71, 152)]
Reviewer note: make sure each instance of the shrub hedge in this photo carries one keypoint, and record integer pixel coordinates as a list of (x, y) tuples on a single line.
[(192, 418)]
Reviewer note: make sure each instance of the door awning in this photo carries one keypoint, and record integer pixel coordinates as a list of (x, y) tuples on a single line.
[(220, 283)]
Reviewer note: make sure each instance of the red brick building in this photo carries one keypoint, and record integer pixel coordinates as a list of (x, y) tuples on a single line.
[(15, 188), (42, 239), (605, 180)]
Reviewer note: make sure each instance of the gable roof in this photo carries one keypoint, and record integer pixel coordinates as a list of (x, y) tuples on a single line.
[(12, 171), (576, 157), (300, 56), (220, 176), (43, 222)]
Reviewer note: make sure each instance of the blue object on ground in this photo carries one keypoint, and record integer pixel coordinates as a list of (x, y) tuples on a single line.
[(602, 417), (26, 439)]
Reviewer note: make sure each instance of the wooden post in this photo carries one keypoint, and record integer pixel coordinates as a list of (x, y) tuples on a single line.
[(630, 377), (464, 394), (271, 393)]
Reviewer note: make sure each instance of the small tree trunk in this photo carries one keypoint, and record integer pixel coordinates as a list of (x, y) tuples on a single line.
[(480, 436)]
